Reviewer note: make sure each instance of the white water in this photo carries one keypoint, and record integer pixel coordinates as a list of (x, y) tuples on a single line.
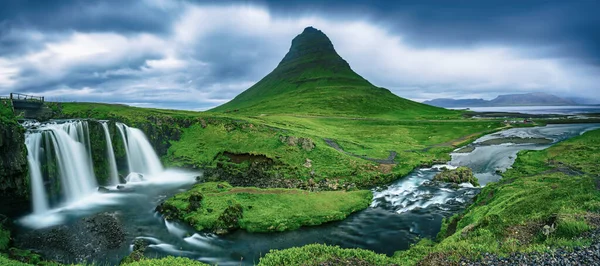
[(110, 152), (140, 155), (39, 198), (76, 173), (68, 145), (121, 128)]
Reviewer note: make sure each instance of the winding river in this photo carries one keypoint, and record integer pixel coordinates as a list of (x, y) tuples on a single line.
[(410, 208)]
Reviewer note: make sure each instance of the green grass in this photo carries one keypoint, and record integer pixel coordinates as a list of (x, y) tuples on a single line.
[(556, 187), (265, 210), (168, 261), (316, 254), (6, 114)]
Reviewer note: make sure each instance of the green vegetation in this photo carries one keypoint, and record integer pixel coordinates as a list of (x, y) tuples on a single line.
[(8, 262), (220, 207), (6, 113), (360, 135), (316, 254), (547, 199), (168, 261), (459, 175)]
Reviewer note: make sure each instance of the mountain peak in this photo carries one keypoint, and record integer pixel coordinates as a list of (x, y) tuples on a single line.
[(311, 44)]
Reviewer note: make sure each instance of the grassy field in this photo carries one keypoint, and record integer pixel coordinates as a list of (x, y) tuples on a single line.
[(206, 136), (547, 199), (218, 206)]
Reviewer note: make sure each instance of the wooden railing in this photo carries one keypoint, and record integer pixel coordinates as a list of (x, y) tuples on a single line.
[(23, 97)]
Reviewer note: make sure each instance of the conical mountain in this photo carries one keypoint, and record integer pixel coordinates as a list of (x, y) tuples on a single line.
[(313, 79)]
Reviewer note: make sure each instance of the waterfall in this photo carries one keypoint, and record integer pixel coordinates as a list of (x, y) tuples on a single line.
[(110, 152), (121, 128), (70, 142), (67, 146), (76, 173), (140, 155), (38, 193)]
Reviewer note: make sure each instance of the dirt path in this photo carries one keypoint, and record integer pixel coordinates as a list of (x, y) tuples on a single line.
[(389, 160)]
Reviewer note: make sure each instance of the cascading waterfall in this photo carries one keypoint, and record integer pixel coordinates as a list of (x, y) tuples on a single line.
[(67, 145), (110, 152), (75, 171), (140, 155), (72, 159), (38, 193)]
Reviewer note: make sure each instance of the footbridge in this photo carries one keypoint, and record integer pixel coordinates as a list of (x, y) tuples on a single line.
[(27, 105)]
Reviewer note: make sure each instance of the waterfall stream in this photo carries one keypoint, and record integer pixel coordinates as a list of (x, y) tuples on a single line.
[(110, 152), (141, 157), (66, 145)]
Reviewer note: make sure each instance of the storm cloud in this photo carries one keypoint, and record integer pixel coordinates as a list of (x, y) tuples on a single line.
[(199, 54)]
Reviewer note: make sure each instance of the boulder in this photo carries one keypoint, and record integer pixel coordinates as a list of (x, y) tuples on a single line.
[(459, 175)]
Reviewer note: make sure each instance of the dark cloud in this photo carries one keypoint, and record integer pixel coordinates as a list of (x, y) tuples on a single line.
[(221, 61), (86, 15), (569, 26)]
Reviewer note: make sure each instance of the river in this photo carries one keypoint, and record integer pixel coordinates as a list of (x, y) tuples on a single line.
[(410, 208)]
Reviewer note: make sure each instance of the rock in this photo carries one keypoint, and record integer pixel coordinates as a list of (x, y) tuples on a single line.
[(292, 141), (307, 144), (120, 187), (195, 202), (86, 239), (103, 190), (229, 219), (465, 231), (139, 247), (459, 175), (308, 163)]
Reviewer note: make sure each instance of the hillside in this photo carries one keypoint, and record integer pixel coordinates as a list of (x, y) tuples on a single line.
[(313, 79), (527, 99)]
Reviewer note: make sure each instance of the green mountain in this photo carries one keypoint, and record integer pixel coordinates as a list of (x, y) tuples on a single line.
[(313, 79)]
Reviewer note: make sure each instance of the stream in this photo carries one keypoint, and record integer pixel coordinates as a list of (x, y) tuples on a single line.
[(410, 208)]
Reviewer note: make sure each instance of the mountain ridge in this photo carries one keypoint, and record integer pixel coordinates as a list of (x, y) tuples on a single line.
[(525, 99)]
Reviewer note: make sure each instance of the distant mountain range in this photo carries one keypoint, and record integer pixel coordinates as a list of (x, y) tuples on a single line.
[(527, 99)]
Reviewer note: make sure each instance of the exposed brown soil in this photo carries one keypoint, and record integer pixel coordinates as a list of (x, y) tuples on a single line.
[(246, 157)]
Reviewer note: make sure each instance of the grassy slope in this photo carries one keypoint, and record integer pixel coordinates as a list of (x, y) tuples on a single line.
[(554, 186), (266, 210), (416, 141)]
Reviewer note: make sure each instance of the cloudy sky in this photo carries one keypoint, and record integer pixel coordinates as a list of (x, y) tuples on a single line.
[(199, 54)]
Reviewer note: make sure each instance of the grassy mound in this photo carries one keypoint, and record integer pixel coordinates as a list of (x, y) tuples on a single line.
[(316, 254), (546, 200), (220, 207)]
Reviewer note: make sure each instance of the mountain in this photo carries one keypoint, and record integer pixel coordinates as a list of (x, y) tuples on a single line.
[(450, 103), (527, 99), (313, 79)]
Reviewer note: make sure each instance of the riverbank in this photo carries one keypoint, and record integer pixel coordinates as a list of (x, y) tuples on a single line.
[(545, 202)]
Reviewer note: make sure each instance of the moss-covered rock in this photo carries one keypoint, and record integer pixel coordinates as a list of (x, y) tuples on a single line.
[(14, 184), (139, 247), (459, 175)]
